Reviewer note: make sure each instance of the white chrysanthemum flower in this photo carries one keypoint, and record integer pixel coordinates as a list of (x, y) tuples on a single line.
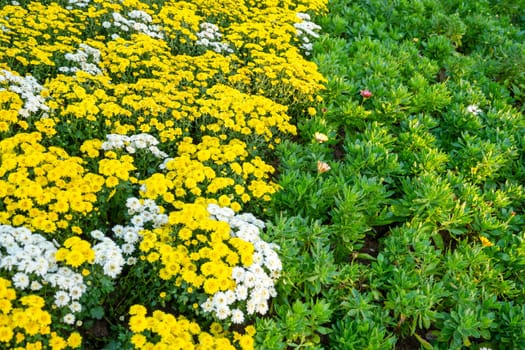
[(133, 205), (40, 266), (238, 274), (20, 280), (223, 312), (210, 37), (69, 319), (35, 285), (61, 298), (241, 292), (97, 234), (262, 307), (137, 221), (23, 235), (237, 316), (118, 230), (75, 306), (250, 280), (207, 306), (128, 248), (76, 292), (113, 269), (131, 235), (219, 300)]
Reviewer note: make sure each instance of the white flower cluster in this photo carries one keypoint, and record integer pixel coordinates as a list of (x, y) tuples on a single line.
[(209, 36), (306, 29), (133, 143), (255, 284), (32, 258), (86, 57), (138, 21), (108, 254), (142, 214), (28, 89), (77, 3)]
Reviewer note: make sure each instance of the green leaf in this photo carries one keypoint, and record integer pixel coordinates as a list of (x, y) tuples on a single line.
[(97, 312), (425, 344)]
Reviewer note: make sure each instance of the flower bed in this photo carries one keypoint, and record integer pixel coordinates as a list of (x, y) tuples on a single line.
[(137, 141)]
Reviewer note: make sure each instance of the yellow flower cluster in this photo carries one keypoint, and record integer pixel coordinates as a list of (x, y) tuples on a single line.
[(244, 114), (116, 168), (21, 326), (193, 173), (173, 333), (33, 34), (202, 254), (41, 187), (76, 251), (10, 104)]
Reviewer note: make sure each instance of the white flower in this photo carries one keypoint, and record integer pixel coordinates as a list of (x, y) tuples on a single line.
[(61, 298), (8, 262), (35, 285), (230, 296), (237, 316), (137, 221), (133, 205), (219, 300), (76, 292), (207, 306), (262, 308), (69, 319), (97, 234), (131, 236), (241, 292), (223, 312), (118, 230), (112, 269), (20, 280), (75, 306), (131, 260), (474, 109), (238, 274), (250, 280), (128, 248)]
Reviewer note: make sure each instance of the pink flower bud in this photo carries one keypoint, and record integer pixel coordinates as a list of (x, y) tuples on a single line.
[(366, 93)]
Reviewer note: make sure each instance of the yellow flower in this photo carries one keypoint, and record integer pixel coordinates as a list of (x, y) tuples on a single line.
[(485, 242), (138, 340), (57, 342), (6, 333), (137, 310), (74, 340)]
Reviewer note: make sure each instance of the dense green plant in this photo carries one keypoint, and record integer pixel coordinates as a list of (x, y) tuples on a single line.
[(419, 218)]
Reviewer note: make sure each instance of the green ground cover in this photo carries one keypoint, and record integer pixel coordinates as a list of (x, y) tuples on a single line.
[(414, 238)]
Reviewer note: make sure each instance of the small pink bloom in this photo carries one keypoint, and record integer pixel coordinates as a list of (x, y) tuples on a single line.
[(366, 93)]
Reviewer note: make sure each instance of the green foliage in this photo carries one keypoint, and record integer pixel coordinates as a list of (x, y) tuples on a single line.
[(414, 236)]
